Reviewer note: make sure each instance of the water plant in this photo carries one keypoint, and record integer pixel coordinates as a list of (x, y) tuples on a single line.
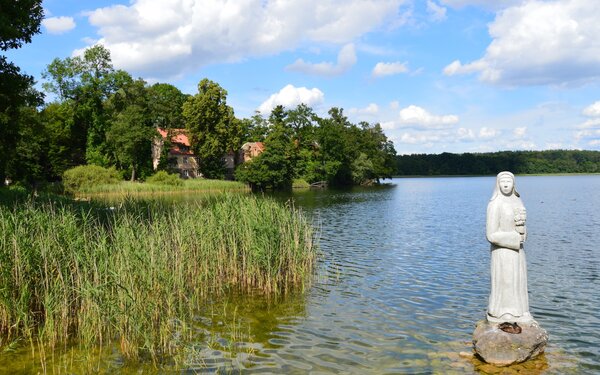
[(136, 273)]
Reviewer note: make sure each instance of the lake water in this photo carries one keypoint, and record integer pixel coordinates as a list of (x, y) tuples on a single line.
[(402, 278)]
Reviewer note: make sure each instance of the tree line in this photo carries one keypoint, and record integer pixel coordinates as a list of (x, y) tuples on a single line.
[(103, 116), (521, 162)]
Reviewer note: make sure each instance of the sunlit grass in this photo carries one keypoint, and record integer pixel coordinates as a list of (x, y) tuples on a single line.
[(191, 185), (136, 274)]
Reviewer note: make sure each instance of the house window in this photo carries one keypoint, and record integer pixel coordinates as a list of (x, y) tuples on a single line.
[(185, 160), (186, 173)]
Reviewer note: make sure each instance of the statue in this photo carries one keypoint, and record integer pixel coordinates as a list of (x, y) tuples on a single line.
[(505, 230), (509, 334)]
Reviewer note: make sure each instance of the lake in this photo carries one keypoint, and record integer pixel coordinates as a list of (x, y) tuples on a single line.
[(402, 278)]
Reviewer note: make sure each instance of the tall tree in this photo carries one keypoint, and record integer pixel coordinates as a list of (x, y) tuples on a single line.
[(130, 128), (165, 103), (274, 168), (19, 21), (212, 126), (86, 82)]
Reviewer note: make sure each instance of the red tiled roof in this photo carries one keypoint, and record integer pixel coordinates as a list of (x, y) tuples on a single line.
[(177, 136)]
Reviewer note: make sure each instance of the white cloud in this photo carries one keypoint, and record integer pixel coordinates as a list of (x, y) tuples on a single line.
[(520, 132), (520, 145), (488, 133), (161, 38), (465, 135), (539, 43), (436, 12), (418, 138), (589, 134), (592, 110), (486, 4), (394, 104), (418, 116), (345, 60), (291, 96), (382, 69), (371, 110), (591, 123), (58, 25)]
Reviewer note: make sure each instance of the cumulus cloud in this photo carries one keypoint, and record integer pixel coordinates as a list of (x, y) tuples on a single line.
[(593, 110), (415, 115), (465, 135), (345, 60), (291, 96), (436, 12), (382, 69), (370, 110), (486, 4), (540, 43), (488, 133), (421, 138), (161, 38), (520, 132), (58, 25)]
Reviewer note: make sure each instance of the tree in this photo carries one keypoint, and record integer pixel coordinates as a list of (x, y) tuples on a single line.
[(130, 127), (19, 21), (165, 103), (212, 126), (86, 82), (273, 169)]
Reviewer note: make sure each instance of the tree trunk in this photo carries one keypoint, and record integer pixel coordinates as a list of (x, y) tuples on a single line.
[(132, 173)]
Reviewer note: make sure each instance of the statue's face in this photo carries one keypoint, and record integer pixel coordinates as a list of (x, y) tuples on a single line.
[(506, 185)]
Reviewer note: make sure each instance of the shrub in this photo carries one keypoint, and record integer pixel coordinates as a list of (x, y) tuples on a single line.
[(84, 176), (299, 183), (164, 178)]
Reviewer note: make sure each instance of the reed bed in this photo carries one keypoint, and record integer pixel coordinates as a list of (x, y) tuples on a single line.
[(191, 185), (136, 273)]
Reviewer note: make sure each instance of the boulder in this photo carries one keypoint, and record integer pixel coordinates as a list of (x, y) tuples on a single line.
[(502, 348)]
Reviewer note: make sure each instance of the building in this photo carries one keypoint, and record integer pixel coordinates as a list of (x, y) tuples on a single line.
[(180, 158), (250, 150)]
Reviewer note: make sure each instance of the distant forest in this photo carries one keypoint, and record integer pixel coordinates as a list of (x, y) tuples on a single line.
[(520, 162)]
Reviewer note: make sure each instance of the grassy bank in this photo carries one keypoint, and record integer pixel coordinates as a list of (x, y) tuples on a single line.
[(191, 185), (138, 272)]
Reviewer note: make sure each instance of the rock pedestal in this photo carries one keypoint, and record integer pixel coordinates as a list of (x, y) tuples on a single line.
[(502, 348)]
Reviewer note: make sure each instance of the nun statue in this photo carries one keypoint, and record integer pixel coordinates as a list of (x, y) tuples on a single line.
[(505, 230), (509, 334)]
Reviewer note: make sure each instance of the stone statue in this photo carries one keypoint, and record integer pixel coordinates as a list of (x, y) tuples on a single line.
[(505, 230), (509, 334)]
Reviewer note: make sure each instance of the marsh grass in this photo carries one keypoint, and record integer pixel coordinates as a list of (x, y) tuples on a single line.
[(135, 274), (190, 185)]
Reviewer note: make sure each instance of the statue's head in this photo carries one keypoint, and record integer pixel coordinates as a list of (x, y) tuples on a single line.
[(505, 184)]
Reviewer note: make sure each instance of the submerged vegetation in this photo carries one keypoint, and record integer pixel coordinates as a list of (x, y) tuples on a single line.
[(137, 273)]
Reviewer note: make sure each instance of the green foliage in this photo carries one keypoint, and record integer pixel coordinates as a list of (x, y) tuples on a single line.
[(299, 183), (521, 162), (300, 144), (130, 131), (164, 178), (212, 126), (165, 103), (19, 21), (273, 169), (85, 176)]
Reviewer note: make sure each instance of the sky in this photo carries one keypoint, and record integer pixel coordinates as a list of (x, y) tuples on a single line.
[(438, 75)]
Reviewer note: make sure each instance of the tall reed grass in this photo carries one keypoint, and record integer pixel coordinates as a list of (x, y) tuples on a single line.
[(137, 272)]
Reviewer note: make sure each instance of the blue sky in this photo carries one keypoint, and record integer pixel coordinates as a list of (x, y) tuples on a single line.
[(439, 75)]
